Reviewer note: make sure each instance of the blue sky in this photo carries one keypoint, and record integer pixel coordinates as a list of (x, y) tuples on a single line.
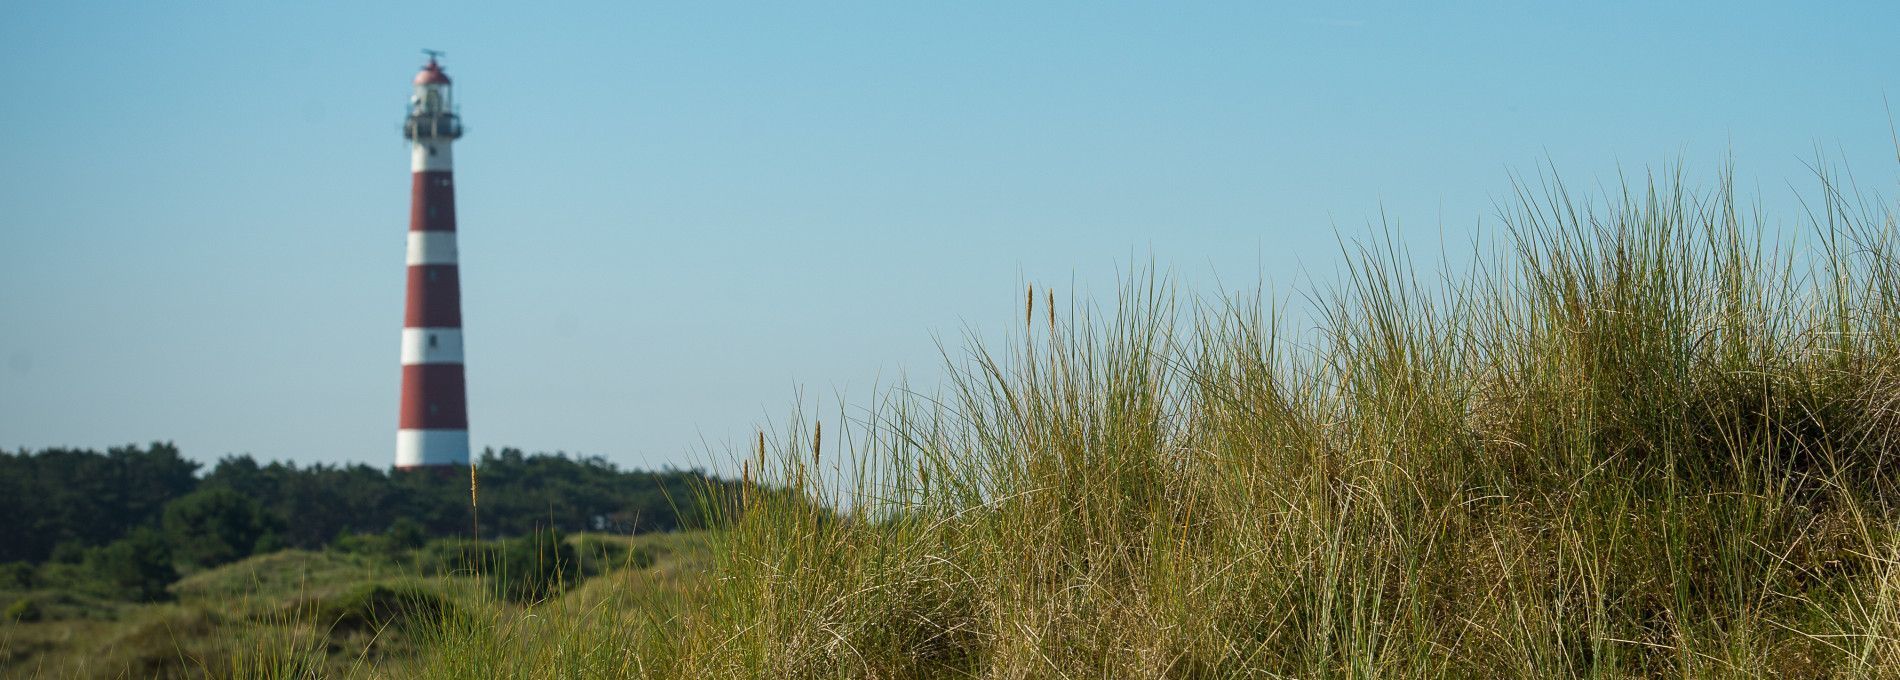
[(676, 216)]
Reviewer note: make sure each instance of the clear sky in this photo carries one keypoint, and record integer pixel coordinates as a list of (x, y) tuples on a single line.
[(675, 216)]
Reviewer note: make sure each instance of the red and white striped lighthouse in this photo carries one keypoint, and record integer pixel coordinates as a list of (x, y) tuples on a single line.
[(434, 420)]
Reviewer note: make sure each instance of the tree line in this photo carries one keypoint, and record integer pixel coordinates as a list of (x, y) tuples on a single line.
[(135, 508)]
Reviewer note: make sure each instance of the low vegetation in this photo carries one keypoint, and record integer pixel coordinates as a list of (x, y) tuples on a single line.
[(128, 564), (333, 613), (61, 503)]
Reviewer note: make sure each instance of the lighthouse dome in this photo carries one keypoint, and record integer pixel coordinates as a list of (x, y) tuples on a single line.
[(432, 75)]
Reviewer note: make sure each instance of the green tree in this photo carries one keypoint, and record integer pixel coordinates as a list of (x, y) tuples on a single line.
[(24, 610), (84, 497), (137, 567), (18, 576), (405, 534), (214, 526), (61, 503)]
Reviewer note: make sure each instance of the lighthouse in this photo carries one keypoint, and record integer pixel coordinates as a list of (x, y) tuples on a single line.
[(434, 412)]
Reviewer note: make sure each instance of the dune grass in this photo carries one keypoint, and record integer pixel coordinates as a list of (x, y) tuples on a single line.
[(1642, 439)]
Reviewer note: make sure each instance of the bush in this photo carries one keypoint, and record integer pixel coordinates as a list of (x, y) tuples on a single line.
[(376, 605), (24, 610), (68, 552), (214, 526), (268, 543), (137, 567), (405, 534), (18, 576), (64, 576), (374, 545)]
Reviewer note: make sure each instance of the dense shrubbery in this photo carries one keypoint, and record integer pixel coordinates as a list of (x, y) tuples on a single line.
[(216, 525), (137, 567), (18, 576), (23, 610), (119, 524), (84, 498), (519, 492)]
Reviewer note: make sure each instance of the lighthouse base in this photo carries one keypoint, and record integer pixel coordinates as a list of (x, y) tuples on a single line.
[(420, 448)]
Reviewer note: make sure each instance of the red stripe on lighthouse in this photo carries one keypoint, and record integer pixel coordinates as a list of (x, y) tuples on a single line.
[(432, 201), (435, 297), (433, 397)]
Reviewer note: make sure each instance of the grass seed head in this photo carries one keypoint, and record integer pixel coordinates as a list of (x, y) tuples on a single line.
[(1029, 305)]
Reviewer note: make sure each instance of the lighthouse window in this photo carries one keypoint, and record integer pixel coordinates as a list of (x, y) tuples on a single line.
[(432, 212), (432, 409), (431, 341), (432, 275)]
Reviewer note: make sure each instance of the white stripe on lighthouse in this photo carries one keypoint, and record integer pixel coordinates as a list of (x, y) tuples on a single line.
[(431, 247), (431, 155), (431, 447), (431, 346)]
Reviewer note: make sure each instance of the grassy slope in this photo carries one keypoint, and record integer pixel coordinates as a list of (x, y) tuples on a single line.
[(294, 612), (218, 616)]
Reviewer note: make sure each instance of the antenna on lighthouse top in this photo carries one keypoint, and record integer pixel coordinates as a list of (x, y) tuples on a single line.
[(433, 54)]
